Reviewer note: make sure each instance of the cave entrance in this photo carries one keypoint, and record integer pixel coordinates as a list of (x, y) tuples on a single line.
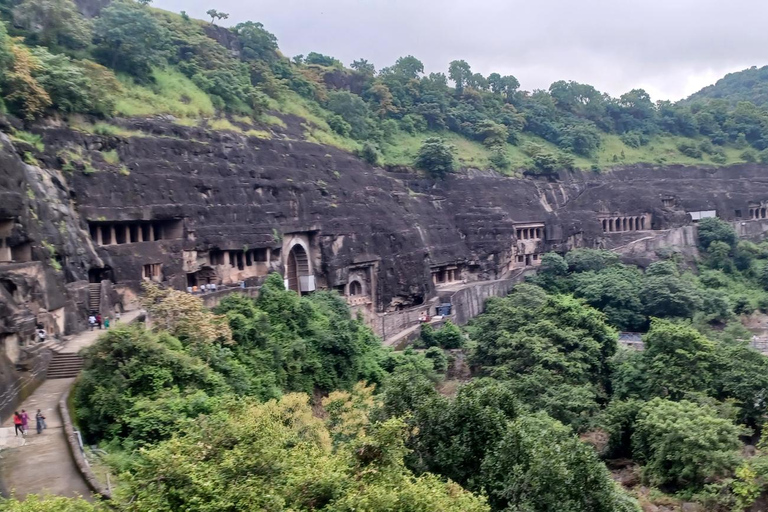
[(97, 275), (298, 268)]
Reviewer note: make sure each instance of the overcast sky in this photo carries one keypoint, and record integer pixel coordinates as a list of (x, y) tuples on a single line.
[(671, 48)]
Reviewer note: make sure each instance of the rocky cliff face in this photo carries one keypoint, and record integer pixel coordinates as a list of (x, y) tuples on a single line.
[(188, 206)]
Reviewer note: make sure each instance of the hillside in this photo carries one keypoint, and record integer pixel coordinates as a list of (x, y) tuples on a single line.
[(132, 60), (746, 85)]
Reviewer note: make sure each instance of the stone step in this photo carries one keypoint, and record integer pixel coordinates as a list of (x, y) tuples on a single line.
[(64, 365)]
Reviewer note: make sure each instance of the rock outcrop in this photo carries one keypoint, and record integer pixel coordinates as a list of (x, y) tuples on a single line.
[(85, 221)]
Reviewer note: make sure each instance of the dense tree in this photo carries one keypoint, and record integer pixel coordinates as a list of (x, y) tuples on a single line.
[(74, 86), (196, 471), (460, 72), (684, 443), (408, 67), (616, 292), (539, 465), (364, 67), (715, 229), (128, 38), (321, 60), (741, 373), (552, 349), (435, 157), (55, 23), (665, 293), (679, 359), (256, 42), (128, 366), (583, 260), (22, 92), (353, 110)]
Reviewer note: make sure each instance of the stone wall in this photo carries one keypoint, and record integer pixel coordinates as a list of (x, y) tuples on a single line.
[(213, 299)]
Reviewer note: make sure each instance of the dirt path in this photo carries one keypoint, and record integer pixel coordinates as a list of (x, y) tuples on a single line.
[(42, 463)]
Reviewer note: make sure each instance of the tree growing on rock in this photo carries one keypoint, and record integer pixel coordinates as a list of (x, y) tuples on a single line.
[(214, 14), (435, 157)]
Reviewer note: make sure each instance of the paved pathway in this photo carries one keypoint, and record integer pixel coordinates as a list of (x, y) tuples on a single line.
[(42, 463)]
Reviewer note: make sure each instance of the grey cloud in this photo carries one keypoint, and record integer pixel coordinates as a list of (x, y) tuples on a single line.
[(669, 47)]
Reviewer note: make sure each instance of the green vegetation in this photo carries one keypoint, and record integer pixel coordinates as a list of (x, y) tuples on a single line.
[(30, 138), (111, 157), (170, 92), (747, 85), (134, 60), (236, 383)]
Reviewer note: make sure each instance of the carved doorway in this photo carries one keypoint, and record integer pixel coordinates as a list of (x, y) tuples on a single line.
[(298, 266)]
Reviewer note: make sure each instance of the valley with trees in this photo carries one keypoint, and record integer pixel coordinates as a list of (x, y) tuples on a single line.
[(289, 401)]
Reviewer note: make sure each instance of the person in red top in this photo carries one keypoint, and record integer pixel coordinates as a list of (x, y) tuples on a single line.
[(17, 423)]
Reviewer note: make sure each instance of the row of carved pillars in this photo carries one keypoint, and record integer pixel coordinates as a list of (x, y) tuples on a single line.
[(615, 224), (112, 234), (757, 213), (529, 233)]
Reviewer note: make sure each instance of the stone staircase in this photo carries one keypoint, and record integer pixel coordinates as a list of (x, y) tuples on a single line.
[(94, 297), (64, 365)]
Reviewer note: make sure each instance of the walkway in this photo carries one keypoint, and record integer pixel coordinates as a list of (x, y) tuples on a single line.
[(43, 464)]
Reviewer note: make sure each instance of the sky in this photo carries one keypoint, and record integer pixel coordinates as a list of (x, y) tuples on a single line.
[(670, 48)]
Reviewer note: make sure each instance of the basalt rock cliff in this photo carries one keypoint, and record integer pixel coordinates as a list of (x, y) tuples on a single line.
[(190, 206)]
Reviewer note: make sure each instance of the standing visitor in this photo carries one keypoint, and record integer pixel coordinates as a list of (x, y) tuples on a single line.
[(98, 320), (17, 424), (40, 421), (92, 321), (25, 421), (106, 323)]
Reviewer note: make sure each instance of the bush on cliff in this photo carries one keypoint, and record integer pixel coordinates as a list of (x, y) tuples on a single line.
[(435, 157)]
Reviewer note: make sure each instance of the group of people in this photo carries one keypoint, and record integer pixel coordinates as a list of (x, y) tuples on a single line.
[(21, 422), (96, 320), (203, 288)]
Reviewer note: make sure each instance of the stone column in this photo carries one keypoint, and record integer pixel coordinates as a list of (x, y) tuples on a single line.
[(139, 233), (98, 236), (127, 233), (112, 237)]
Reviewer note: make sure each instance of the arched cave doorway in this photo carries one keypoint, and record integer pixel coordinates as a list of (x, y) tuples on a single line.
[(97, 275), (355, 288), (298, 265)]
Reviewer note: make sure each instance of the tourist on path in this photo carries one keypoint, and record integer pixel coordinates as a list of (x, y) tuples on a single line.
[(106, 323), (25, 421), (18, 424), (98, 320), (92, 321), (40, 421)]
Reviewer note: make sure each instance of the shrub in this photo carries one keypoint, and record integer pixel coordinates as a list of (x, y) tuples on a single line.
[(718, 156), (545, 162), (499, 159), (370, 153), (689, 149), (634, 139), (435, 157), (339, 125), (715, 229), (749, 155)]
